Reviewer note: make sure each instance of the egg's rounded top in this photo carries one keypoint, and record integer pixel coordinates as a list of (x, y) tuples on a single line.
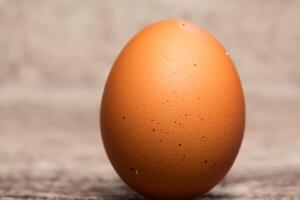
[(173, 112)]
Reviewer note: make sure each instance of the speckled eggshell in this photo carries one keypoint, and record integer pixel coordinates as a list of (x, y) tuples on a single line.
[(172, 113)]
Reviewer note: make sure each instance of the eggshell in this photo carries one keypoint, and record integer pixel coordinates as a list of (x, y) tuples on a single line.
[(172, 113)]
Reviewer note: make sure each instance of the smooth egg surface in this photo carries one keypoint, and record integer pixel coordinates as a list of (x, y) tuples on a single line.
[(172, 113)]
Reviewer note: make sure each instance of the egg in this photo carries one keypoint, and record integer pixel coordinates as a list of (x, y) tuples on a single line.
[(172, 113)]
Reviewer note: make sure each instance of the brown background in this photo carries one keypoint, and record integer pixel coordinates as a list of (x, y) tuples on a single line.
[(55, 57)]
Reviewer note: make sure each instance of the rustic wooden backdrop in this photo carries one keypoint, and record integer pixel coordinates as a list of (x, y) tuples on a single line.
[(54, 59)]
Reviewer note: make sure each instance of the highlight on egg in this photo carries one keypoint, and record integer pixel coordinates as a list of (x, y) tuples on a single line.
[(172, 113)]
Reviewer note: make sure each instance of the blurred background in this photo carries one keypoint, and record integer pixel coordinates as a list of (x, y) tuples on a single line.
[(55, 57)]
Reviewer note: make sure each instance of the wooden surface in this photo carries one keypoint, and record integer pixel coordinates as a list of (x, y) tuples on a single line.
[(55, 57)]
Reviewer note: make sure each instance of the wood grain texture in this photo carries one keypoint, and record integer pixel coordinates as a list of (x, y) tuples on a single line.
[(55, 57)]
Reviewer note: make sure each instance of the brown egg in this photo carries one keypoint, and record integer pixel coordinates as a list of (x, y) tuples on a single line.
[(172, 113)]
